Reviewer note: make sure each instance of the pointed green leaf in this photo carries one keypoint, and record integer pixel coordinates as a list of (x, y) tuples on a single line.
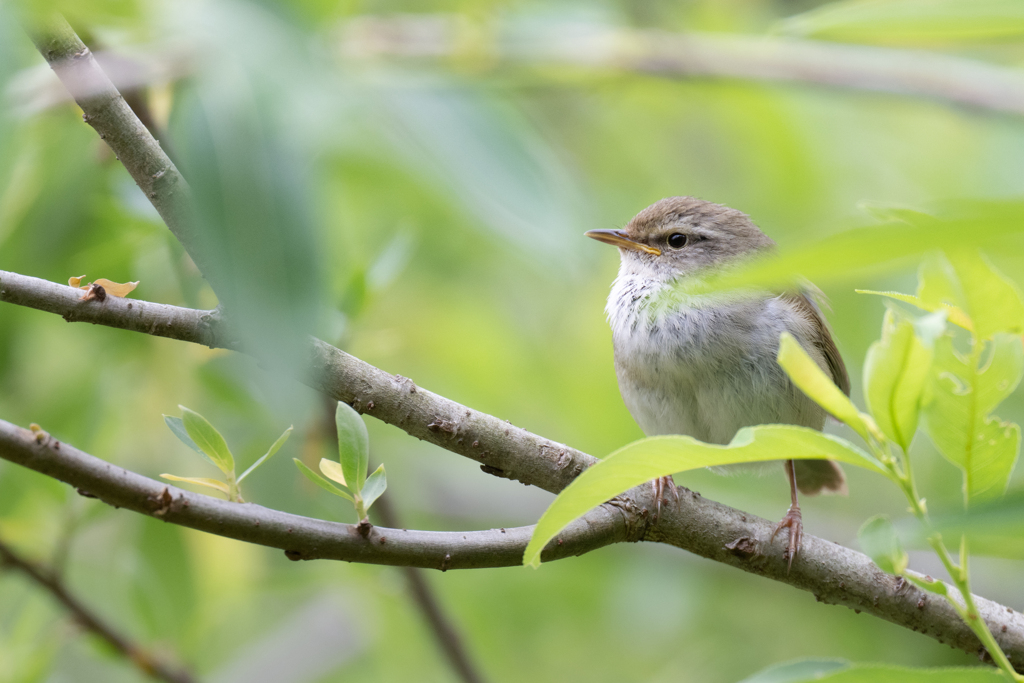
[(895, 374), (953, 314), (201, 481), (208, 439), (879, 541), (957, 414), (320, 481), (353, 445), (274, 448), (660, 456), (376, 484), (819, 387), (332, 471), (178, 429)]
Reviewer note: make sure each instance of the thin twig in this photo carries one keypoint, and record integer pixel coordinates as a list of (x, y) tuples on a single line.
[(108, 113), (92, 622), (441, 625)]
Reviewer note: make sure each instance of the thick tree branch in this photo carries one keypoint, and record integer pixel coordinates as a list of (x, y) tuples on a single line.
[(834, 574), (688, 55), (90, 621)]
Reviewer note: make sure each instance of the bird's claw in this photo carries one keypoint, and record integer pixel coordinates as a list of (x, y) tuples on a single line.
[(794, 522)]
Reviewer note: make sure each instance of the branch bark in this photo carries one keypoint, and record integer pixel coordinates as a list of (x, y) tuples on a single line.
[(92, 622), (833, 573), (914, 73)]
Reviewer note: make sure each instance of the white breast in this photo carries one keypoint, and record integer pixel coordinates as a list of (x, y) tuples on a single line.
[(705, 367)]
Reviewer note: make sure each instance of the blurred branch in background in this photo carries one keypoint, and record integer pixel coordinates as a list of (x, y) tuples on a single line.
[(835, 574), (90, 621), (444, 630), (457, 41)]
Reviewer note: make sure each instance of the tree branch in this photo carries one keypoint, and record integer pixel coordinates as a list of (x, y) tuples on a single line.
[(833, 573), (302, 538), (106, 111), (138, 656), (690, 55)]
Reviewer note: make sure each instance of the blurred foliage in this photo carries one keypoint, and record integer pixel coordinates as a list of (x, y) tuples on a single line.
[(429, 220)]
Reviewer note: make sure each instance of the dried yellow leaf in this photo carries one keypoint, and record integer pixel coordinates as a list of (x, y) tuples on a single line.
[(116, 288), (75, 281)]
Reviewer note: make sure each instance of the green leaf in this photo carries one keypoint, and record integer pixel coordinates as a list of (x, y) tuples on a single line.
[(954, 314), (353, 445), (274, 448), (201, 481), (208, 439), (320, 481), (819, 387), (178, 429), (817, 672), (895, 375), (957, 415), (332, 471), (879, 540), (994, 528), (992, 301), (798, 671), (660, 456), (910, 22), (376, 484)]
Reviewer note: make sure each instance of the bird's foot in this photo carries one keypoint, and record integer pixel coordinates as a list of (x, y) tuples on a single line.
[(660, 484), (794, 522)]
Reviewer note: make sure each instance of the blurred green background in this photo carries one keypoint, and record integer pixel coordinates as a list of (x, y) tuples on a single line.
[(427, 216)]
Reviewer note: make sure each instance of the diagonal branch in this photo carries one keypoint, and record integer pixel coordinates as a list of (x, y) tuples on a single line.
[(105, 110), (833, 573), (91, 621)]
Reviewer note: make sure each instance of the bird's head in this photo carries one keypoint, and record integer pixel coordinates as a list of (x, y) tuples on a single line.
[(681, 236)]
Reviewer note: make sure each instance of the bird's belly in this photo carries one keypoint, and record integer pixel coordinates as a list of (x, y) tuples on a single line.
[(678, 386)]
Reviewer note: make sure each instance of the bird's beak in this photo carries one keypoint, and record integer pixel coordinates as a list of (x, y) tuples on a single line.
[(617, 238)]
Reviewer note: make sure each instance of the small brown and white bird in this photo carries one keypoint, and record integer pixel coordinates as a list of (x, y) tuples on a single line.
[(706, 365)]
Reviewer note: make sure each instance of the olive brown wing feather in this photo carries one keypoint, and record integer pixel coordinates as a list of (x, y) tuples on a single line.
[(816, 476)]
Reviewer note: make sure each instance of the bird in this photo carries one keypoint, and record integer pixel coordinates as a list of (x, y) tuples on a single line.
[(704, 365)]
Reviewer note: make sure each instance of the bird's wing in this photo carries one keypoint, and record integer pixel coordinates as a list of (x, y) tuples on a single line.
[(804, 301)]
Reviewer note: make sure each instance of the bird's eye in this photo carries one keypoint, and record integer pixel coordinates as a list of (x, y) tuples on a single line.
[(677, 240)]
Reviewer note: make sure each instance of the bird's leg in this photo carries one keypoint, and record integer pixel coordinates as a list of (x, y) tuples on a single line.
[(660, 484), (793, 519)]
